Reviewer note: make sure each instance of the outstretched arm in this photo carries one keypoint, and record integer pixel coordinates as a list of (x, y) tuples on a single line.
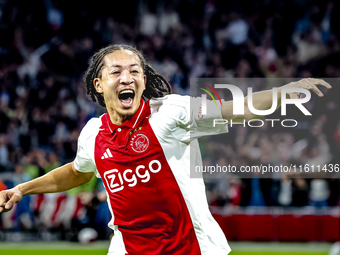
[(60, 179), (263, 100)]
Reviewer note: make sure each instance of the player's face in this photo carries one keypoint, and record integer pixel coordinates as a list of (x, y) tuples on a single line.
[(122, 82)]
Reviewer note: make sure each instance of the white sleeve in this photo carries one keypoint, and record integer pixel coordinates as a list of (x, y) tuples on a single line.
[(84, 161), (203, 125), (188, 122)]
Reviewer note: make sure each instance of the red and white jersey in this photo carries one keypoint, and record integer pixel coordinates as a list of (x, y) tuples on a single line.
[(145, 166)]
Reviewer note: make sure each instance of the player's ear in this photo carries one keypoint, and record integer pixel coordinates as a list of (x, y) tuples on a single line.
[(98, 85)]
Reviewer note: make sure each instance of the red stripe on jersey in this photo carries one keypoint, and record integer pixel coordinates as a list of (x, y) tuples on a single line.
[(146, 201)]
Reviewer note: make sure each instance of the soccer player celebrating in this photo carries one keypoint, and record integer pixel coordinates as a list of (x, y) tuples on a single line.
[(140, 149)]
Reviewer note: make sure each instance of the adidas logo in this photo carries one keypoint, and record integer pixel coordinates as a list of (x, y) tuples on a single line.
[(107, 154)]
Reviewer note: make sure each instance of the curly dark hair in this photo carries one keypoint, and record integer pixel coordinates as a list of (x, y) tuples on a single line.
[(156, 85)]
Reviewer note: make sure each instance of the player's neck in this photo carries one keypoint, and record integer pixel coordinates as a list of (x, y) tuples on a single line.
[(117, 118)]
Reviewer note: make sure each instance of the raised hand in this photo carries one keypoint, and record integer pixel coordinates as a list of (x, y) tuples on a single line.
[(307, 83)]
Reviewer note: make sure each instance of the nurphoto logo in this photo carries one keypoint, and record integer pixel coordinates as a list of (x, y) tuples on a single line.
[(239, 104)]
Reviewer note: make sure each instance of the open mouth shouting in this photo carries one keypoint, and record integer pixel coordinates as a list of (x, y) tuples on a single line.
[(126, 97)]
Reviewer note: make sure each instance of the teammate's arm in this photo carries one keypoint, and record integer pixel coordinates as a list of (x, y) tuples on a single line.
[(263, 100), (60, 179)]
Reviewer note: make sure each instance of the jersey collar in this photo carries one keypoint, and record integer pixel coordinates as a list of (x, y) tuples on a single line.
[(142, 112)]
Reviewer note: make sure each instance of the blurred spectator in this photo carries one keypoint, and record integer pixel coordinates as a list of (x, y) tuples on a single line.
[(319, 193), (55, 17), (256, 198), (149, 23), (237, 30), (300, 192), (169, 19), (3, 152), (309, 47), (286, 193)]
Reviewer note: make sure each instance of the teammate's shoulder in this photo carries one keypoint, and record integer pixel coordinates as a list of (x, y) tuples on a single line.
[(91, 127)]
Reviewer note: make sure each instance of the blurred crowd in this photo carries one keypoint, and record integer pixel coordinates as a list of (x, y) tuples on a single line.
[(45, 48)]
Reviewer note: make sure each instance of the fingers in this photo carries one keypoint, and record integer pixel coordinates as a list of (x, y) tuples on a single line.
[(311, 84), (3, 209), (3, 201), (320, 82), (3, 198), (14, 199), (7, 200), (3, 204), (317, 91)]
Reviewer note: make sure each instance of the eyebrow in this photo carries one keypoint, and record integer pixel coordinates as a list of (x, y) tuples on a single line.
[(121, 65)]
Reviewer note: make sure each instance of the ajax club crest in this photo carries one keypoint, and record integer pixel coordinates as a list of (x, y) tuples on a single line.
[(139, 142)]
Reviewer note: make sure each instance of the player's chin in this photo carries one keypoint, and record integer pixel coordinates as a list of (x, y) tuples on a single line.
[(128, 111)]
